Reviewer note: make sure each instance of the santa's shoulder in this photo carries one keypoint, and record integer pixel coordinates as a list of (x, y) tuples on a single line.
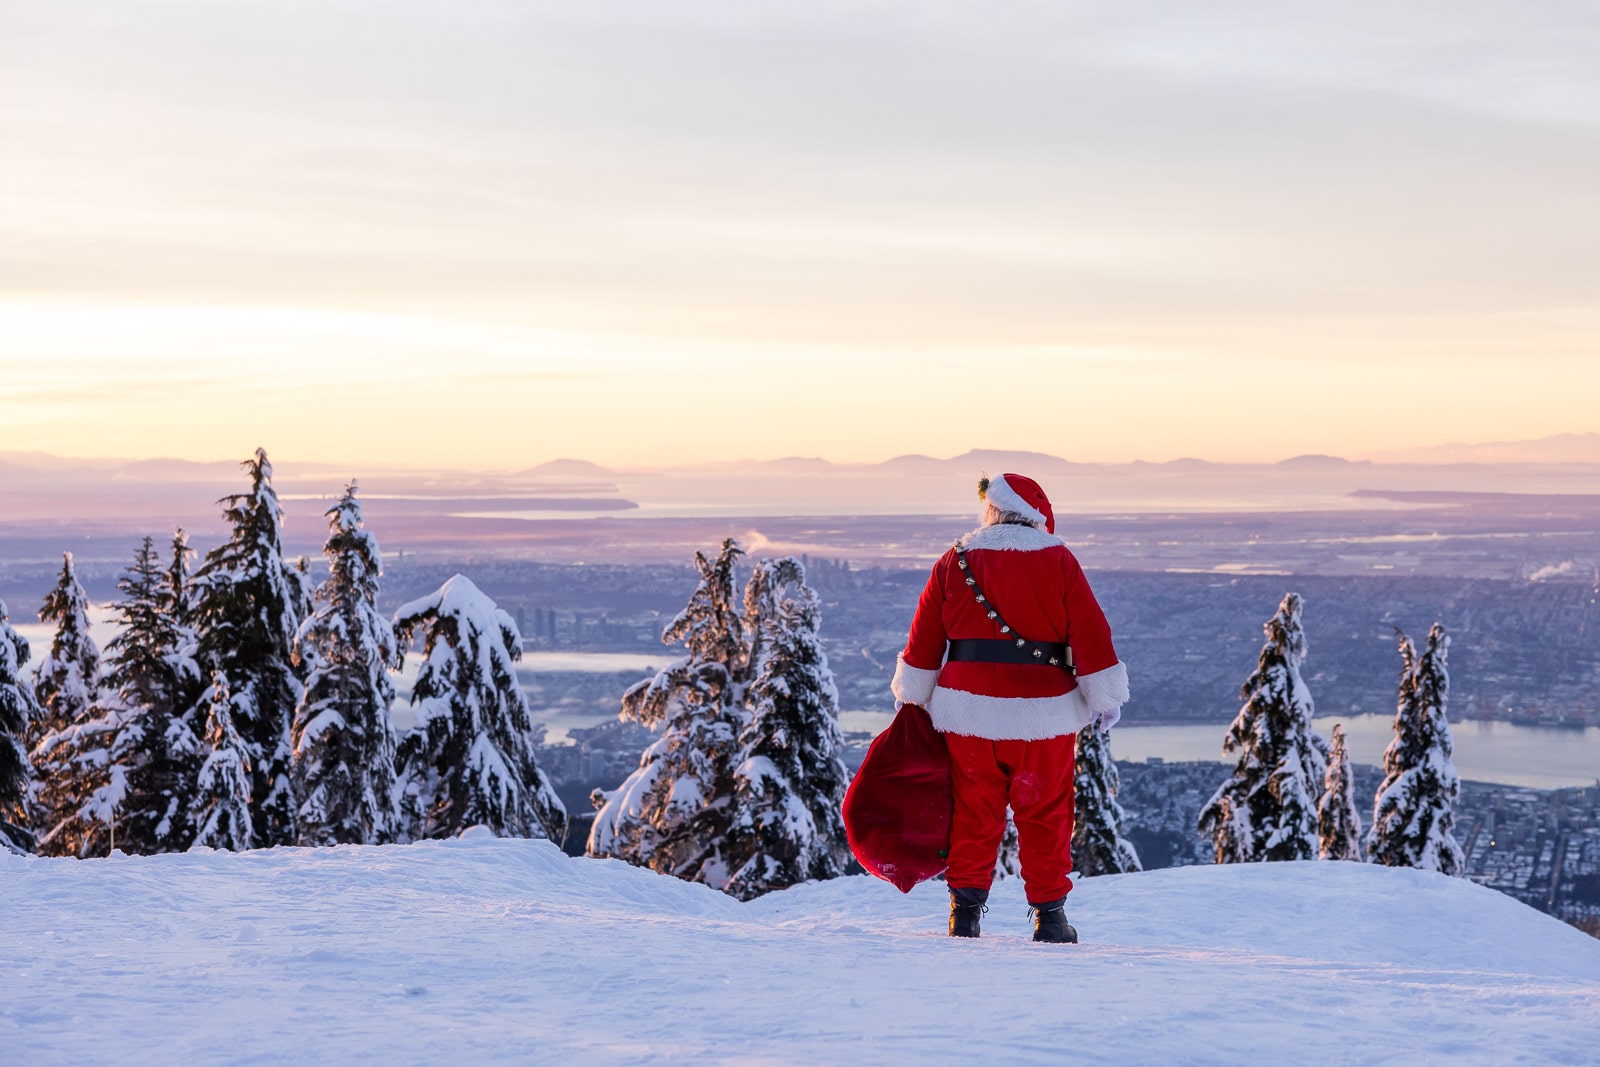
[(1011, 537)]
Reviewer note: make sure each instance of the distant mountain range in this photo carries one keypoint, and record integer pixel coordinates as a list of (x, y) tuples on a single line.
[(36, 487), (1566, 448), (1561, 448)]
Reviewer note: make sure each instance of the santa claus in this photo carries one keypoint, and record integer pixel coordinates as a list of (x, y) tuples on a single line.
[(1011, 655)]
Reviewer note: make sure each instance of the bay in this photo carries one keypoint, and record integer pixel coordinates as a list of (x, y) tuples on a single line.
[(1506, 753)]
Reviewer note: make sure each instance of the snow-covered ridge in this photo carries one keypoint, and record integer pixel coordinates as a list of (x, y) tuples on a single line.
[(494, 950)]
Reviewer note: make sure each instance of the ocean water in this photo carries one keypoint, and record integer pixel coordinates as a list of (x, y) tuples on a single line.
[(1543, 757)]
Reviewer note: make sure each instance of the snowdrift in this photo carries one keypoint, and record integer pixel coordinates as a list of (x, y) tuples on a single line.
[(487, 950)]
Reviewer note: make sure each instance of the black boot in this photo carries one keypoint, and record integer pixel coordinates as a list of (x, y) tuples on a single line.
[(1050, 923), (966, 908)]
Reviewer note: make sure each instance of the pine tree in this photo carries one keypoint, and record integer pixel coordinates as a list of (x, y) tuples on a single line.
[(177, 595), (1098, 846), (1267, 810), (66, 679), (344, 747), (1338, 825), (222, 791), (1008, 860), (673, 814), (142, 662), (1413, 815), (154, 687), (469, 760), (789, 780), (17, 712), (80, 786), (245, 612), (303, 586)]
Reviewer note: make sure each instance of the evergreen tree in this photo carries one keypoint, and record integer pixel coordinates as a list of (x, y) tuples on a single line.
[(304, 586), (222, 791), (80, 786), (17, 711), (1267, 810), (789, 781), (1413, 814), (673, 814), (469, 760), (344, 747), (177, 595), (245, 612), (1098, 846), (1008, 860), (66, 679), (142, 660), (1338, 825), (154, 688)]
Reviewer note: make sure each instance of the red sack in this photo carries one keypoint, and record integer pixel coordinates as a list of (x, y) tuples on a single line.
[(898, 807)]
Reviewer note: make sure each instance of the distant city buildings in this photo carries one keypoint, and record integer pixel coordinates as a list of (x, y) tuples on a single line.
[(1541, 846)]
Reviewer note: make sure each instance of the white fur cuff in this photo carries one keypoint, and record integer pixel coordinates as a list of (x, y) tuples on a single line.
[(912, 685), (1104, 692)]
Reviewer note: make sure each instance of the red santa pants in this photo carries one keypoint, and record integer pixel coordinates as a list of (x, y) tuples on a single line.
[(1035, 778)]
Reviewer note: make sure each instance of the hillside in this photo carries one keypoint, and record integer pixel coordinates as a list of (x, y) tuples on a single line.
[(484, 950)]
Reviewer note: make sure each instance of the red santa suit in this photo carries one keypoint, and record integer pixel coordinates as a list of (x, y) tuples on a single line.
[(1011, 727)]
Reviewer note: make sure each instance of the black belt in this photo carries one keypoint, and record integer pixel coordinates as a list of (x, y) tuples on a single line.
[(999, 650)]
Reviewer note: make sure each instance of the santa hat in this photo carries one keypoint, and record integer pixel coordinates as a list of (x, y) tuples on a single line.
[(1019, 495)]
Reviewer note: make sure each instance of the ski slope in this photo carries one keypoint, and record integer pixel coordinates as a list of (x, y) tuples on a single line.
[(480, 950)]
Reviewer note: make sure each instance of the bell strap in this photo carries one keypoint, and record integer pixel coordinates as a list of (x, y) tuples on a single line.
[(1046, 655)]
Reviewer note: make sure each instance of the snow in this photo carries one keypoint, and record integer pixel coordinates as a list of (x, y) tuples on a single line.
[(457, 598), (481, 949)]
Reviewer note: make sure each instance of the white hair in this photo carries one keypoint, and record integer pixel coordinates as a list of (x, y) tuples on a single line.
[(993, 516)]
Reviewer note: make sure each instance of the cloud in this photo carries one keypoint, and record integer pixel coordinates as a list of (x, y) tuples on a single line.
[(1569, 568)]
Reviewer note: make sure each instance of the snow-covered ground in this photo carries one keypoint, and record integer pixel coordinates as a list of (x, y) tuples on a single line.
[(486, 950)]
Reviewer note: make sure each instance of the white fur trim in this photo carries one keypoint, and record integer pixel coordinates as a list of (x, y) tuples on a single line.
[(955, 711), (1104, 692), (912, 685), (1009, 537), (1002, 496), (1099, 696)]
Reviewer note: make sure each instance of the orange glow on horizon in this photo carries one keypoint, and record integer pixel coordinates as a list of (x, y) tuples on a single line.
[(1112, 238)]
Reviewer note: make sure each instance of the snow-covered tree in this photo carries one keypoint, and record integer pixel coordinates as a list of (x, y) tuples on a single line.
[(1267, 809), (151, 663), (344, 747), (469, 760), (17, 711), (789, 781), (80, 786), (66, 680), (674, 812), (176, 600), (153, 691), (1413, 815), (1098, 846), (304, 586), (222, 791), (1338, 824), (245, 612), (1008, 860)]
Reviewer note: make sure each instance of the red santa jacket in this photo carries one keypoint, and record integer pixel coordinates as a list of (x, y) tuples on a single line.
[(1040, 590)]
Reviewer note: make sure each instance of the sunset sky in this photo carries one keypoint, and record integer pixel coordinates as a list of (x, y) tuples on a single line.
[(494, 233)]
